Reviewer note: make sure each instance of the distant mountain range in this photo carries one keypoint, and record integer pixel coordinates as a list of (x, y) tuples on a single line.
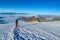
[(10, 17), (14, 13)]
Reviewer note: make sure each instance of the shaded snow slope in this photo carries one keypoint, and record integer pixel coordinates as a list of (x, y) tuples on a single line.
[(36, 31)]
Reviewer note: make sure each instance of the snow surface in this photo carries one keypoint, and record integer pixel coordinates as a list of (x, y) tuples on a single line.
[(30, 31), (36, 31), (5, 29)]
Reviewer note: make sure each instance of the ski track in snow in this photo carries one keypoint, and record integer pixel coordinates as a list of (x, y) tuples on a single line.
[(35, 31)]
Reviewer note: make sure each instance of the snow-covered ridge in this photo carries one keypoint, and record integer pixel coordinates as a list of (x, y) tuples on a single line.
[(36, 31)]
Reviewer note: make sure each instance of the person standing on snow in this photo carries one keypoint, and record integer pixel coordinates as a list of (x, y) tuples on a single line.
[(16, 22)]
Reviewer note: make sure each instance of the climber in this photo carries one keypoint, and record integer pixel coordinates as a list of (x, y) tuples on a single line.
[(16, 22)]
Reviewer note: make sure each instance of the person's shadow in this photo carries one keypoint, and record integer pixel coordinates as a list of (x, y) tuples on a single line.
[(16, 34)]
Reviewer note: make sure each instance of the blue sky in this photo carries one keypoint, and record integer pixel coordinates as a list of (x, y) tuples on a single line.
[(42, 7)]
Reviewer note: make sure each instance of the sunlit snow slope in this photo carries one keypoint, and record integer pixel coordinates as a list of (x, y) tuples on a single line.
[(5, 29), (36, 31)]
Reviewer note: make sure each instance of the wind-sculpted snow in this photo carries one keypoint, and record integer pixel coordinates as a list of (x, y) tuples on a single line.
[(33, 31), (25, 35)]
